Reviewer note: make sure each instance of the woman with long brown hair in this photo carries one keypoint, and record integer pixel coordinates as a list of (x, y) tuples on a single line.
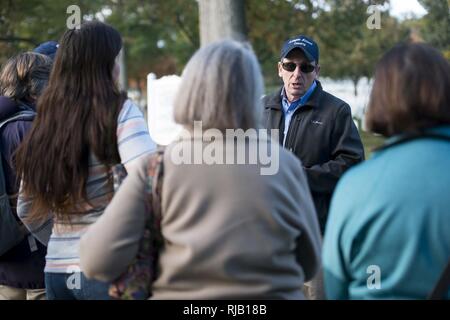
[(84, 127)]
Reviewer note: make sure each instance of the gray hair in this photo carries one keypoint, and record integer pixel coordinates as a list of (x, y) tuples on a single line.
[(24, 76), (221, 86)]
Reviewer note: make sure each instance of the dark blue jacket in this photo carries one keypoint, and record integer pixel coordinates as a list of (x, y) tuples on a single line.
[(323, 136), (19, 267)]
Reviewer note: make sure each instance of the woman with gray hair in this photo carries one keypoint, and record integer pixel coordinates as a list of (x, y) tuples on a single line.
[(229, 230), (22, 79)]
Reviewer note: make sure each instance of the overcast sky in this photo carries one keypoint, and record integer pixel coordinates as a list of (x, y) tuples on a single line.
[(402, 8)]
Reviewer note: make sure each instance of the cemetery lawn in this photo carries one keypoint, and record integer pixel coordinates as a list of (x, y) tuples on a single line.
[(370, 141)]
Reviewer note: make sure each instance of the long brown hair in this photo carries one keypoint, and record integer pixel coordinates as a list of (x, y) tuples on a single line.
[(410, 91), (76, 115)]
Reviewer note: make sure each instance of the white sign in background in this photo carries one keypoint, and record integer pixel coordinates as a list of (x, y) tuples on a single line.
[(160, 98)]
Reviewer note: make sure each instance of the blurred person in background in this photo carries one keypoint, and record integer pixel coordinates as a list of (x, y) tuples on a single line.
[(388, 234), (22, 80)]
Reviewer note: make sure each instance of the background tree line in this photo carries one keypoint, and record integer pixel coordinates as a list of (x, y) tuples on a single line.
[(161, 35)]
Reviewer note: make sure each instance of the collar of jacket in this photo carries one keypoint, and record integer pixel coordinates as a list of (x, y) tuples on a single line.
[(274, 101), (8, 107), (440, 132)]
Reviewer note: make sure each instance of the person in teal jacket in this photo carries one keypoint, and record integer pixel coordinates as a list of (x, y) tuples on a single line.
[(388, 233)]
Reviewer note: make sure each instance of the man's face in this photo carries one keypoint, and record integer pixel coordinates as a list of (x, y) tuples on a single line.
[(297, 82)]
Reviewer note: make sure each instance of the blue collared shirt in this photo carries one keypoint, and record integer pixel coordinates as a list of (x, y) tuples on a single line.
[(289, 108)]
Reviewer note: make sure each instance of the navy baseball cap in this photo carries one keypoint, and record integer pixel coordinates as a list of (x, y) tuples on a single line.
[(47, 48), (307, 45)]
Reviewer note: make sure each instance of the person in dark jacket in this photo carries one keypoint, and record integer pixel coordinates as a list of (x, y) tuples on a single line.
[(314, 125), (22, 79)]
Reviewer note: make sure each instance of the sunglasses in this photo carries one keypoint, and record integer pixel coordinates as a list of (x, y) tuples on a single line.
[(304, 67)]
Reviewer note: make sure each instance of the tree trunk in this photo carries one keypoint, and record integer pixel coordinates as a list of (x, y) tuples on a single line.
[(222, 19)]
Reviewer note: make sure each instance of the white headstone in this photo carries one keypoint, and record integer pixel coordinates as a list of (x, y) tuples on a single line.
[(160, 97)]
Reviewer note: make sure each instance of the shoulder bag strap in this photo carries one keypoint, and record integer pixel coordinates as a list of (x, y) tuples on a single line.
[(441, 287)]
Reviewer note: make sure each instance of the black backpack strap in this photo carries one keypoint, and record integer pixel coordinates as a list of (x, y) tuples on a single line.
[(441, 287), (22, 115), (10, 231)]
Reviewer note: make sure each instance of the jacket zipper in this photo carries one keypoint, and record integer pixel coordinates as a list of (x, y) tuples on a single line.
[(291, 135)]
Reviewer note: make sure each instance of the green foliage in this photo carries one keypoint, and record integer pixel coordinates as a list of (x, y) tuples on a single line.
[(436, 24), (155, 32), (370, 142), (161, 35), (26, 23), (349, 48)]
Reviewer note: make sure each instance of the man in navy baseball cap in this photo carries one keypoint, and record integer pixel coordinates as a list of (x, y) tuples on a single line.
[(315, 126), (305, 44), (47, 48), (299, 68)]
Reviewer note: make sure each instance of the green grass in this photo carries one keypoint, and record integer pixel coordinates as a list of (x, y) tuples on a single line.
[(370, 141)]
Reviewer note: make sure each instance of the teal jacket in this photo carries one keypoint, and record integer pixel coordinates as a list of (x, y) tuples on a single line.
[(388, 233)]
